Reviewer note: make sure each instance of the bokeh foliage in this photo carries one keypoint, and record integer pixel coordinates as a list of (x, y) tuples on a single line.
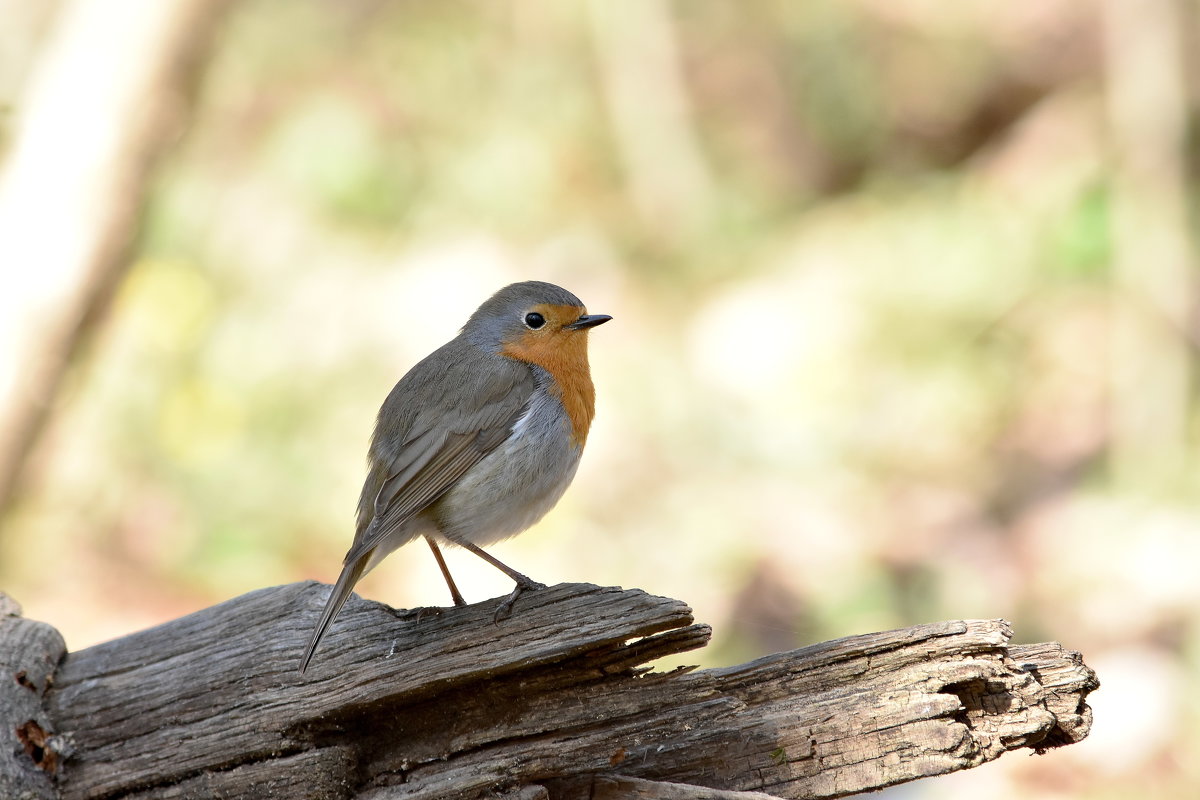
[(864, 263)]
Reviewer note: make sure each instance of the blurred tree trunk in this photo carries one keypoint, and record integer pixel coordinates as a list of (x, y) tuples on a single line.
[(1153, 282), (109, 94), (642, 81)]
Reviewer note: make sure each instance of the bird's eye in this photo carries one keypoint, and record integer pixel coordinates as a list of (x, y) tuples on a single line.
[(534, 320)]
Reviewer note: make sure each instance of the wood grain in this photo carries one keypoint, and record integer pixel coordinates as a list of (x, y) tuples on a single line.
[(554, 702)]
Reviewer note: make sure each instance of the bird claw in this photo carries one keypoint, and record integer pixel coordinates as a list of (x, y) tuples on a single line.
[(504, 610), (418, 614)]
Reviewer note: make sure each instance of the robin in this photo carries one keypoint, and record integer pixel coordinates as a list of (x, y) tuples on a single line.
[(479, 440)]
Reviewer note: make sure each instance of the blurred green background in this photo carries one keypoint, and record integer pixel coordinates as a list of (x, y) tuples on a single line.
[(905, 324)]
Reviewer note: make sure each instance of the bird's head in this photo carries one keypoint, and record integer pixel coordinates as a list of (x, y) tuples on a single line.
[(533, 321)]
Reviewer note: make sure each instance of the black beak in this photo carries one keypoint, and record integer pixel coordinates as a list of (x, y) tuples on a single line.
[(588, 321)]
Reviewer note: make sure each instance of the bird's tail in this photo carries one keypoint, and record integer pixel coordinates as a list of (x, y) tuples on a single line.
[(351, 572)]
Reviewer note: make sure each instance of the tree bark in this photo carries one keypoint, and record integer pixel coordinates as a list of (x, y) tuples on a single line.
[(29, 654), (553, 702)]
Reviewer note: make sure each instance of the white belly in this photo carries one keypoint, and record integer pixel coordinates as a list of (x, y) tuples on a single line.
[(517, 483)]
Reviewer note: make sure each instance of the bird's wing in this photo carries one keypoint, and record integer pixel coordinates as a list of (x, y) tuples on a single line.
[(442, 418), (461, 414)]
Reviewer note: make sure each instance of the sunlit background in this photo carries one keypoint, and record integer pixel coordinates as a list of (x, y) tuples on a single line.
[(904, 299)]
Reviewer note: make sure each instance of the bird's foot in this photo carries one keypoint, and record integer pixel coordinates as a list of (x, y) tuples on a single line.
[(504, 610), (422, 612)]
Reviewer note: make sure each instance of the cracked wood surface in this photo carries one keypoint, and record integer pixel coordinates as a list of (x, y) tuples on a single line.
[(551, 703), (29, 653)]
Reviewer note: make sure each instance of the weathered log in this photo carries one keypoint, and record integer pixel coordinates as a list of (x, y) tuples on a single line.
[(553, 702), (29, 654)]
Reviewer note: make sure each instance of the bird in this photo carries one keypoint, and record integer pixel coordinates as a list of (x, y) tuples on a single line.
[(478, 440)]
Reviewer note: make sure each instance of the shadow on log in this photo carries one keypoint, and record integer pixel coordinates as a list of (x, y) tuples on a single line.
[(554, 702)]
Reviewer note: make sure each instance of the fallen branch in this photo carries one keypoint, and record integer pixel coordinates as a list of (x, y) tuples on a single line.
[(29, 654), (551, 703)]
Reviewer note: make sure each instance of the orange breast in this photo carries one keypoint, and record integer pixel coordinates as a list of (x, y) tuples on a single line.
[(563, 354)]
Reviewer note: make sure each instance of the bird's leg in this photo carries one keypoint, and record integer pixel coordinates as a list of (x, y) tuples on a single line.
[(524, 583), (437, 553)]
